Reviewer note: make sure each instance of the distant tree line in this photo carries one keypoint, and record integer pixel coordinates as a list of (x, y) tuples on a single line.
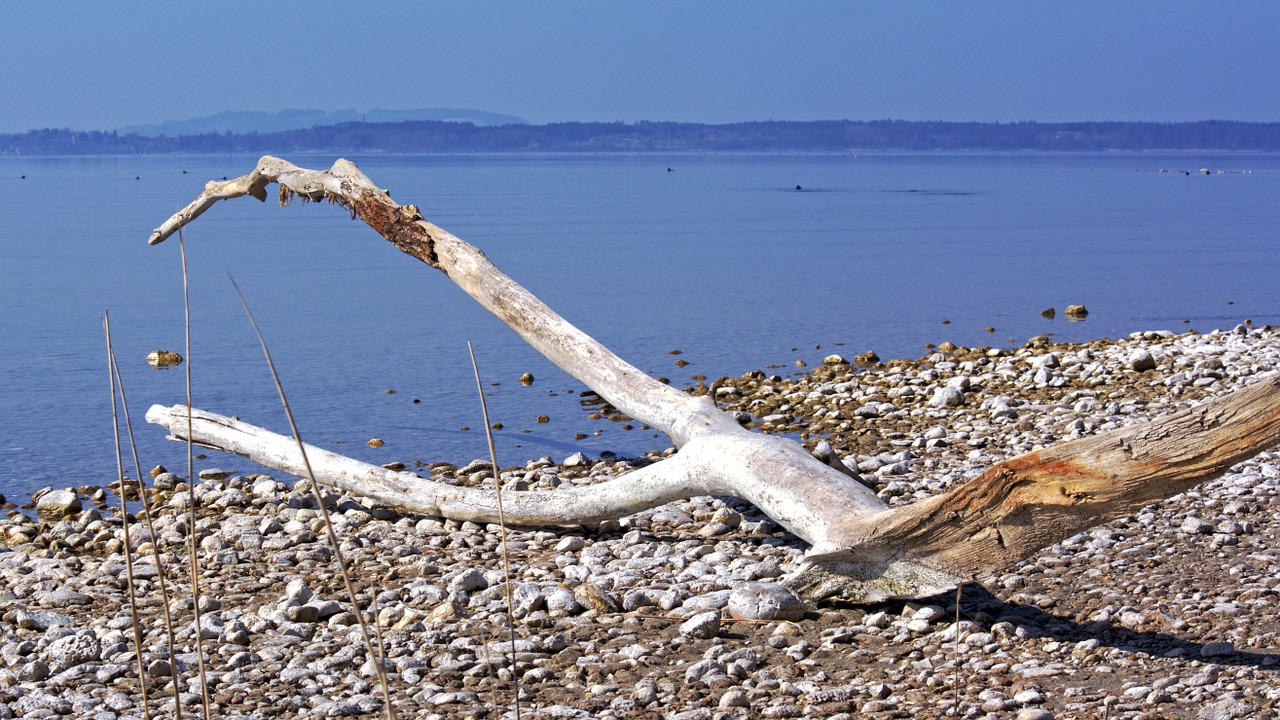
[(826, 136)]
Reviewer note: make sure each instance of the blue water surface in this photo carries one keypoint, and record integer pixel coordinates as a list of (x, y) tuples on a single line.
[(739, 261)]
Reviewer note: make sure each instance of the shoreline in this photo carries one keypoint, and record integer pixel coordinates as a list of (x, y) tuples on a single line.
[(1142, 615)]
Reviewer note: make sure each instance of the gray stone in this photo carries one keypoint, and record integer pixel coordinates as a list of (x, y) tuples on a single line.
[(1030, 696), (1229, 527), (1196, 526), (639, 598), (946, 396), (764, 601), (560, 602), (1131, 619), (40, 619), (593, 597), (929, 613), (1141, 360), (303, 613), (733, 698), (572, 543), (265, 487), (527, 598), (917, 626), (704, 669), (879, 691), (703, 626), (468, 580), (577, 459), (1221, 648), (33, 671), (58, 502), (297, 593), (62, 597), (329, 608), (73, 650), (1226, 709), (210, 626)]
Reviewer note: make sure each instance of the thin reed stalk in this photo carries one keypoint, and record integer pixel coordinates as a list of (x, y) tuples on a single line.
[(124, 519), (955, 655), (155, 541), (193, 553), (502, 528), (378, 658)]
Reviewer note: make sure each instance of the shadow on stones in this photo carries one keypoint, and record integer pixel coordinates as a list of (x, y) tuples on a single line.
[(977, 602)]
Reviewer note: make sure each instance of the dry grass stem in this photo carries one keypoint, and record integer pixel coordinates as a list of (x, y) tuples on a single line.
[(155, 539), (502, 529), (378, 658), (192, 535), (124, 520), (955, 657)]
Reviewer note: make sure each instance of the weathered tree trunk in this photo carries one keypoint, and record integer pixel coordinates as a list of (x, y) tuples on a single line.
[(862, 549)]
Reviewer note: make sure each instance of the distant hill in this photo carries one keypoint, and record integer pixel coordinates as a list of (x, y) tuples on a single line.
[(241, 122), (435, 136)]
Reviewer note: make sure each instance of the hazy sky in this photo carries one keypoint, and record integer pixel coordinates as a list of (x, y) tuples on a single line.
[(97, 65)]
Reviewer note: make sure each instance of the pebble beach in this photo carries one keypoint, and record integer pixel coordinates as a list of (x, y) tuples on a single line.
[(682, 612)]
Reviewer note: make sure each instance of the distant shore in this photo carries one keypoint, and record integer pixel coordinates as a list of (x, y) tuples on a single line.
[(432, 136)]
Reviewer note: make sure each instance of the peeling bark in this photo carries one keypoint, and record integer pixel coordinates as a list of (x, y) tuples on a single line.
[(862, 549)]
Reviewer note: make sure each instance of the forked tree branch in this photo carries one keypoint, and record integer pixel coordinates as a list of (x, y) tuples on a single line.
[(862, 549)]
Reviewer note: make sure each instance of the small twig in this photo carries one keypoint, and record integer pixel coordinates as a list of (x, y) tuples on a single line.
[(155, 541), (377, 658), (955, 658), (193, 554), (124, 516), (502, 527)]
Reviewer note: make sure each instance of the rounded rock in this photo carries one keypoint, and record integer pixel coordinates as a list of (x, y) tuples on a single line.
[(1141, 360), (58, 502), (946, 396), (560, 602), (734, 698), (1221, 648), (594, 597), (469, 580), (764, 601), (702, 626)]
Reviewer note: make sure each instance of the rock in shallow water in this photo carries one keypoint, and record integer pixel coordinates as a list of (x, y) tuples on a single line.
[(58, 502), (164, 358)]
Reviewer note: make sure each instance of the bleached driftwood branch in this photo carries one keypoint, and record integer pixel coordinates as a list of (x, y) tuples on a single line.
[(862, 549)]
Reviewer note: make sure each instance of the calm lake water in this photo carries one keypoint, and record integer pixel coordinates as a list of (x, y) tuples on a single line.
[(720, 257)]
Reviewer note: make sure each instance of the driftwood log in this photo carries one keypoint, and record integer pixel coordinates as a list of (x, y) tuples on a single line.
[(861, 548)]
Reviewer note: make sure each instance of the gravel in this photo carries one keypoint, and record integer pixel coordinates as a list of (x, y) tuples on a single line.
[(1169, 613)]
